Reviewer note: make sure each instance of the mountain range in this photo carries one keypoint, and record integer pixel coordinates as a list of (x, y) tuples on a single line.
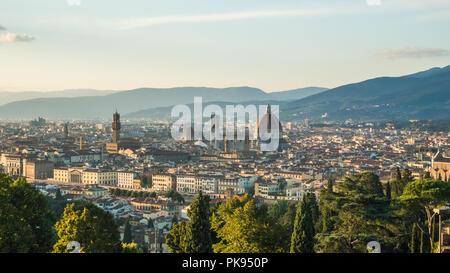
[(91, 107), (422, 95), (7, 97)]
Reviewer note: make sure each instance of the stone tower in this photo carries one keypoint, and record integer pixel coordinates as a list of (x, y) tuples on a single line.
[(116, 127)]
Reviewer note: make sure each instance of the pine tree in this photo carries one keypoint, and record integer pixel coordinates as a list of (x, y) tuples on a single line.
[(198, 229), (302, 240), (127, 233), (91, 226)]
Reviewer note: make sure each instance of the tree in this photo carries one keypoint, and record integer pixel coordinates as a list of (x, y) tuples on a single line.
[(175, 239), (398, 175), (58, 195), (425, 195), (388, 191), (407, 176), (198, 234), (127, 233), (302, 240), (312, 201), (414, 239), (241, 227), (131, 248), (150, 223), (354, 214), (26, 221), (146, 181), (330, 185), (89, 225)]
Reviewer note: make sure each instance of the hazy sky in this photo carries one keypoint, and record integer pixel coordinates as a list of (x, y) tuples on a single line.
[(273, 45)]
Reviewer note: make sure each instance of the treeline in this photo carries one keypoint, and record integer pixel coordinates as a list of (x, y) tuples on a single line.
[(133, 194), (174, 195), (347, 216), (29, 225)]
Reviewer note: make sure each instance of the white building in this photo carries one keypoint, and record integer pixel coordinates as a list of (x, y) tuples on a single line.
[(125, 180), (186, 184), (85, 176)]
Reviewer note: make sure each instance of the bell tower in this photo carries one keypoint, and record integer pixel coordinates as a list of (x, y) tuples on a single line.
[(116, 127)]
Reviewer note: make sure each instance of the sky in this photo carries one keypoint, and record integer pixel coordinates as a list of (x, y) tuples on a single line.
[(274, 45)]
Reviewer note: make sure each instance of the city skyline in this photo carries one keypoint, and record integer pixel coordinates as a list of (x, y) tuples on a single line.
[(265, 44)]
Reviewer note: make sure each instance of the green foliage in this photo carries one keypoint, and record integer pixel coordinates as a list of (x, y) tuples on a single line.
[(398, 184), (146, 181), (330, 185), (242, 227), (26, 221), (198, 234), (127, 233), (414, 239), (175, 196), (388, 191), (302, 240), (94, 228), (175, 239), (420, 197), (131, 248), (128, 193), (356, 213)]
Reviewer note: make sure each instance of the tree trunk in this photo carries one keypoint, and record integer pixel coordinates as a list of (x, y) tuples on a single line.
[(430, 225)]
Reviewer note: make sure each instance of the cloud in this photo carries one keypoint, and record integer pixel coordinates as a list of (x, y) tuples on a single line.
[(373, 2), (150, 21), (9, 37), (413, 53)]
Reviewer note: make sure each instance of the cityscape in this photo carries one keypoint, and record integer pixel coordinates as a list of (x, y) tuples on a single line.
[(189, 158)]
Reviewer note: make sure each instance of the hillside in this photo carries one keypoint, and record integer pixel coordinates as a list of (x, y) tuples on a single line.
[(135, 100), (423, 95)]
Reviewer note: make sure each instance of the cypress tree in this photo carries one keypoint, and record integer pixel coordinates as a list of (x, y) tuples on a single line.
[(388, 191), (330, 185), (314, 207), (398, 175), (414, 239), (198, 229), (127, 234), (302, 240)]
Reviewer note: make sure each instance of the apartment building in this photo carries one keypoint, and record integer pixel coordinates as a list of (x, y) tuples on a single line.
[(125, 180), (164, 182)]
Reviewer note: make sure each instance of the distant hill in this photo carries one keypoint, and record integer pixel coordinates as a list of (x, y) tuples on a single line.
[(164, 113), (135, 100), (296, 94), (430, 72), (424, 95), (7, 97)]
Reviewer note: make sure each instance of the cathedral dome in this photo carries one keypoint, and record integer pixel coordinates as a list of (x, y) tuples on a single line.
[(266, 122)]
